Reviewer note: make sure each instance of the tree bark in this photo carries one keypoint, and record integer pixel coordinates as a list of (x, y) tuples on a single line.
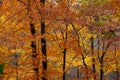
[(93, 59), (64, 62), (83, 57), (78, 73), (101, 70), (64, 53), (43, 43), (34, 53), (101, 58), (33, 43)]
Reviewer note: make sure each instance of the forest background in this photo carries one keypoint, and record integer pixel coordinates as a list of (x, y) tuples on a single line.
[(59, 39)]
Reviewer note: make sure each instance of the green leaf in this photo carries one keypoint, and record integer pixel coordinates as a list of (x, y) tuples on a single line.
[(1, 68)]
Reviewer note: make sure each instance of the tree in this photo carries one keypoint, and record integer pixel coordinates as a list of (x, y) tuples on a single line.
[(43, 42)]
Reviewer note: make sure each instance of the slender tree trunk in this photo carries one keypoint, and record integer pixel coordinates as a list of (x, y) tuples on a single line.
[(101, 60), (43, 43), (101, 63), (83, 57), (34, 53), (78, 74), (93, 59), (64, 62), (101, 70), (98, 48), (17, 73), (16, 64), (64, 53), (85, 65), (33, 43)]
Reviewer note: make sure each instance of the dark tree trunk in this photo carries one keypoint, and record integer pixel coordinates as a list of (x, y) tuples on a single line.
[(43, 43), (43, 49), (101, 60), (64, 53), (93, 59), (85, 65), (33, 44), (83, 57), (101, 70), (64, 62), (78, 74), (34, 54)]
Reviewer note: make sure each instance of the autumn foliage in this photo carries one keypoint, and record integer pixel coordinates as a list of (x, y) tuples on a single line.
[(59, 39)]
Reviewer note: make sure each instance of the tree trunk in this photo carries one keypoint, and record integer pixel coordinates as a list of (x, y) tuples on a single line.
[(34, 53), (78, 73), (43, 44), (33, 44), (83, 57), (64, 62), (85, 65), (93, 59), (101, 61), (64, 53), (101, 70)]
